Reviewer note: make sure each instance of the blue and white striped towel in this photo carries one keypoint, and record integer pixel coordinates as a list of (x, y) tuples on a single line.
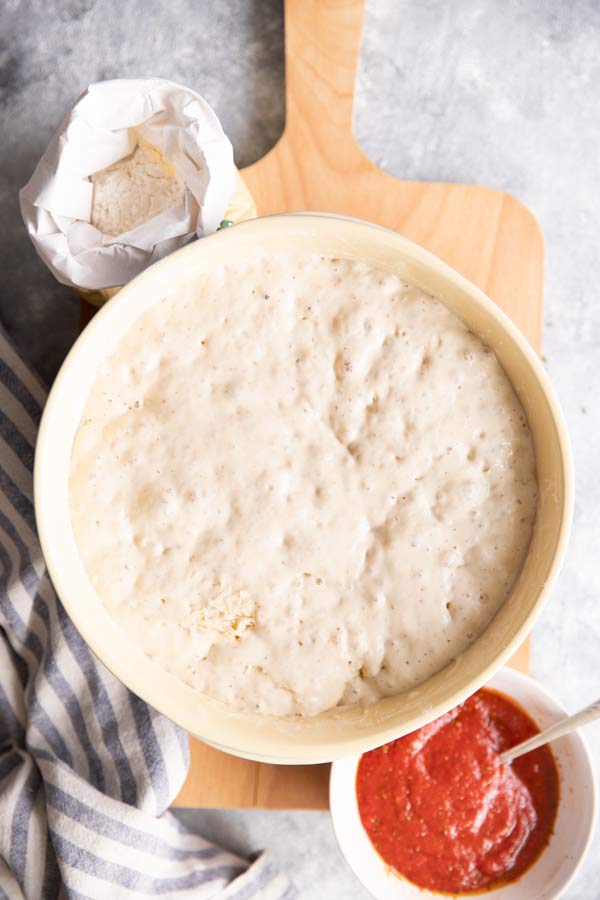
[(87, 770)]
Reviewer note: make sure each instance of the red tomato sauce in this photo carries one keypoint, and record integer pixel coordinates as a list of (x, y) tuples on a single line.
[(442, 811)]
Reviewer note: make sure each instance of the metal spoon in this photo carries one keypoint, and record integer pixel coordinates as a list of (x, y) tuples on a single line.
[(565, 726)]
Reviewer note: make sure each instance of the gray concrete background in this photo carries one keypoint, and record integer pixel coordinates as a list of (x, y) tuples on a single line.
[(505, 94)]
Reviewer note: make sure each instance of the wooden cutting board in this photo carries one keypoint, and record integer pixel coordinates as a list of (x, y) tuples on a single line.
[(488, 236)]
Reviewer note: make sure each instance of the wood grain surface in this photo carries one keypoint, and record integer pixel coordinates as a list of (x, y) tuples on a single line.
[(488, 236)]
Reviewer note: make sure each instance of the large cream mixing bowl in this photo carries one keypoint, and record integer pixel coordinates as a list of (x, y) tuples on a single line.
[(340, 731)]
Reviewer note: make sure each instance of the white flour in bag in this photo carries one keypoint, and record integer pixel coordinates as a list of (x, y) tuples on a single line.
[(134, 189)]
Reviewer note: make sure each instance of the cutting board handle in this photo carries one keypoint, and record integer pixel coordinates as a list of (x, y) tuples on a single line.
[(322, 46)]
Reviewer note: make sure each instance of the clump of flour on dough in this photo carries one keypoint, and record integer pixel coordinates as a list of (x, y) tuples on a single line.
[(230, 613), (134, 189)]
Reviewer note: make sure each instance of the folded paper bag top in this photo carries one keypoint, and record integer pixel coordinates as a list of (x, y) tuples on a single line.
[(181, 140)]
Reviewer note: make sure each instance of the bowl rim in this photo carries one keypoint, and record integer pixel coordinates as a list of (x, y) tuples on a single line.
[(164, 691), (343, 779)]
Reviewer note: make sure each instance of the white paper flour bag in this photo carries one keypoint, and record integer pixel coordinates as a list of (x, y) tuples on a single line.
[(138, 168)]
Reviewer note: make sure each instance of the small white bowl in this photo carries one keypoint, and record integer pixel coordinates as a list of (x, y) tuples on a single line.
[(556, 866)]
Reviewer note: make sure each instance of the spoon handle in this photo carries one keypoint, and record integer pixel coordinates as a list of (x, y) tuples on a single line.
[(565, 726)]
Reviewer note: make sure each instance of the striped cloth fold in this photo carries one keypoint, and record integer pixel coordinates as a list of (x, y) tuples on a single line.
[(87, 770)]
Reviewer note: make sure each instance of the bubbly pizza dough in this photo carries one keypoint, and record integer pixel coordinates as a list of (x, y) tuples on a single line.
[(299, 483)]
